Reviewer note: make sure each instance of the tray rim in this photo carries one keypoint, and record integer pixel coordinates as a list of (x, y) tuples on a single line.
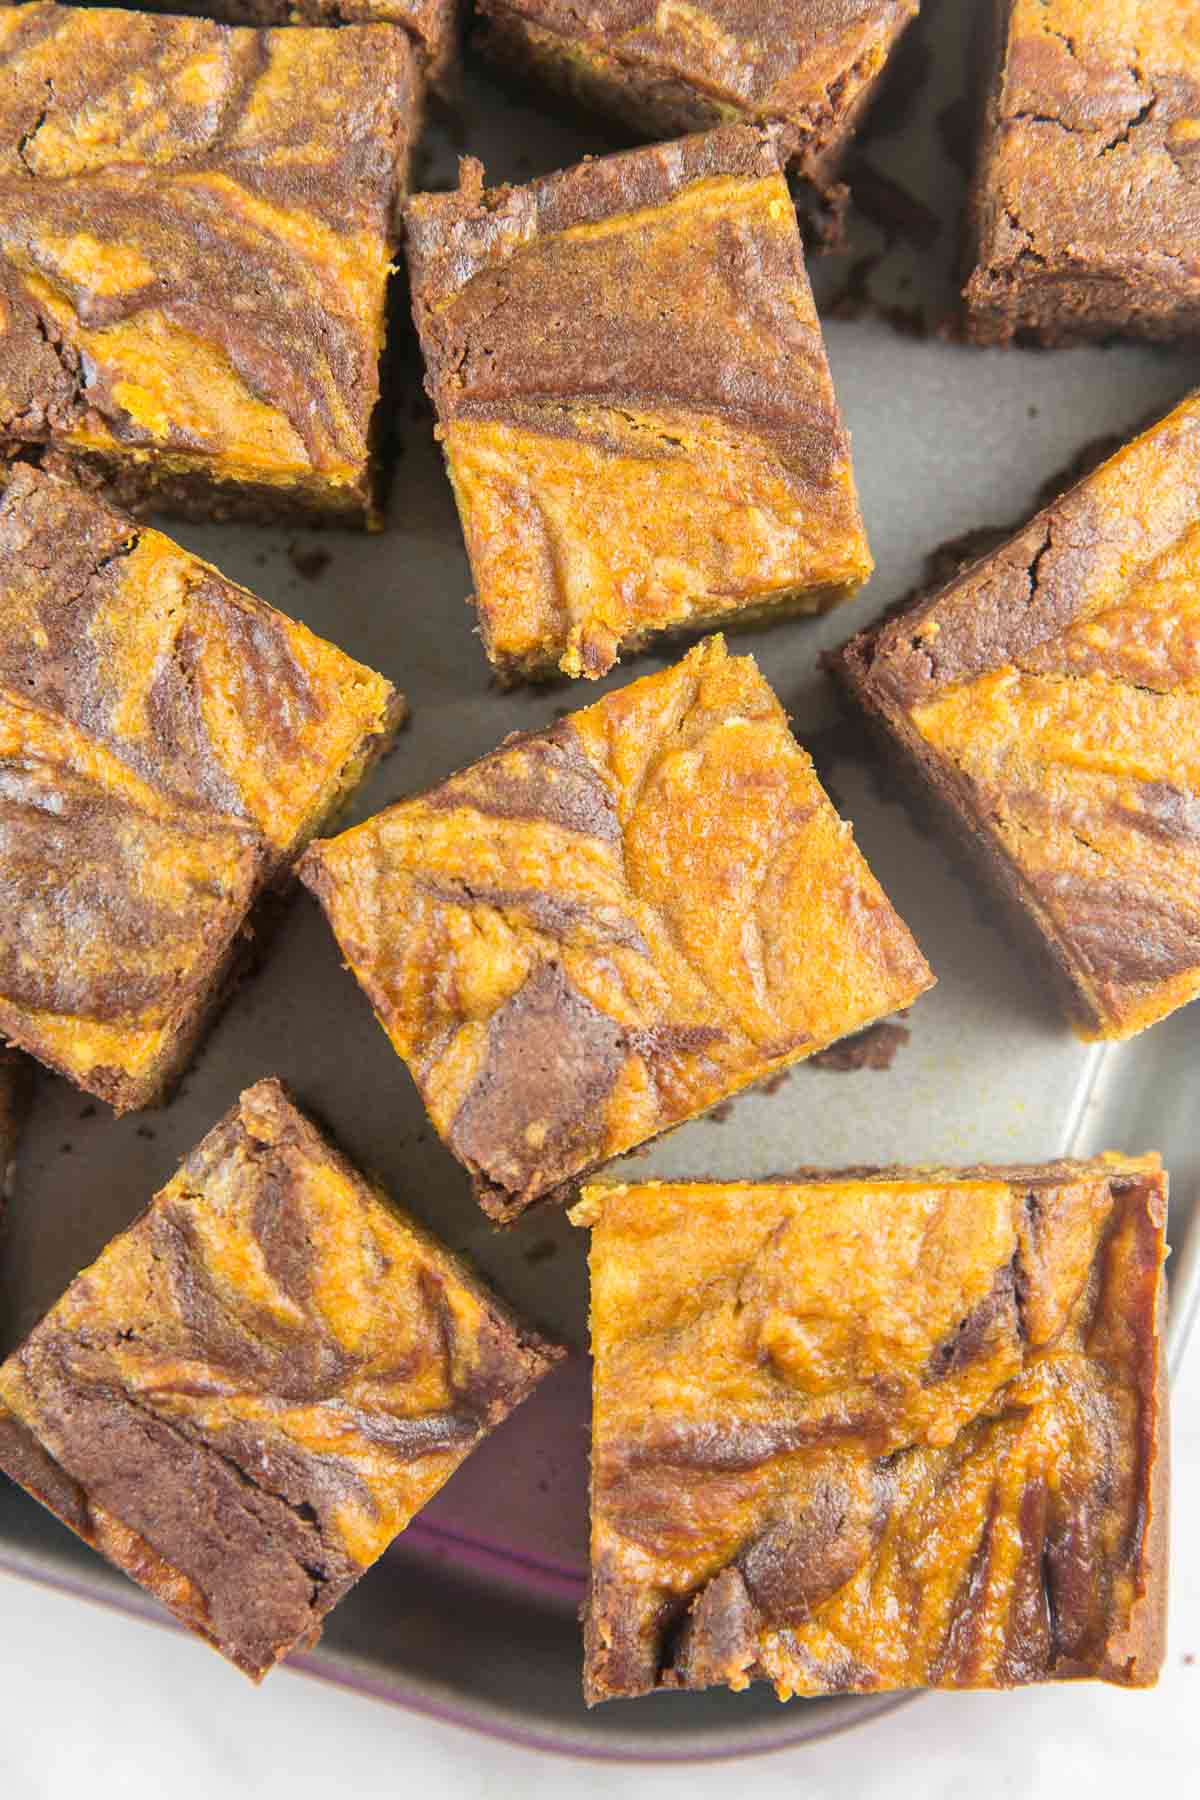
[(427, 1700)]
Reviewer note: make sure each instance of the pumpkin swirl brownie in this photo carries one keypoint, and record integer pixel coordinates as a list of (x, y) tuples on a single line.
[(886, 1429), (197, 225), (259, 1383), (168, 744), (1049, 696), (1085, 210), (663, 67), (634, 400), (601, 929)]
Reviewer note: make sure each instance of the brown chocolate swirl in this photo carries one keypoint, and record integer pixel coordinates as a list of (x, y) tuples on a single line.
[(117, 936)]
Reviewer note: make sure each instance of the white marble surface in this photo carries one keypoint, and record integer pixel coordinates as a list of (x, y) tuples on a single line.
[(90, 1703)]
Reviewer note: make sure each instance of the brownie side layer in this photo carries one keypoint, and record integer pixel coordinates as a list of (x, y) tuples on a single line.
[(146, 485), (16, 1089)]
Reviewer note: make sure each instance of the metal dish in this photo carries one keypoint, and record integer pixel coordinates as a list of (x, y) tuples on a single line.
[(472, 1616)]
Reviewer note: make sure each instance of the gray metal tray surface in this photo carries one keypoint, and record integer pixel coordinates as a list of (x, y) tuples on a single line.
[(472, 1615)]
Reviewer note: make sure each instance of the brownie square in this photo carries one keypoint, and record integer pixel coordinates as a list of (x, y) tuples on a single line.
[(431, 24), (197, 225), (889, 1429), (1085, 210), (660, 70), (1048, 697), (634, 400), (604, 928), (168, 744), (258, 1385)]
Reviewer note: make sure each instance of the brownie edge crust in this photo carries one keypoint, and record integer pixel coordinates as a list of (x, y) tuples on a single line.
[(259, 1383), (16, 1073), (881, 1430), (432, 25)]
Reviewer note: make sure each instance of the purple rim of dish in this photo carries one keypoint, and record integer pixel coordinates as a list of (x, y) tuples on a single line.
[(766, 1741), (805, 1727), (491, 1559)]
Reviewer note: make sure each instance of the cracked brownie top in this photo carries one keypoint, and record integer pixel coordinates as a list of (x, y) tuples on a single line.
[(1052, 695), (255, 1387), (882, 1430), (603, 928), (168, 744), (196, 227), (634, 399), (1086, 208)]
